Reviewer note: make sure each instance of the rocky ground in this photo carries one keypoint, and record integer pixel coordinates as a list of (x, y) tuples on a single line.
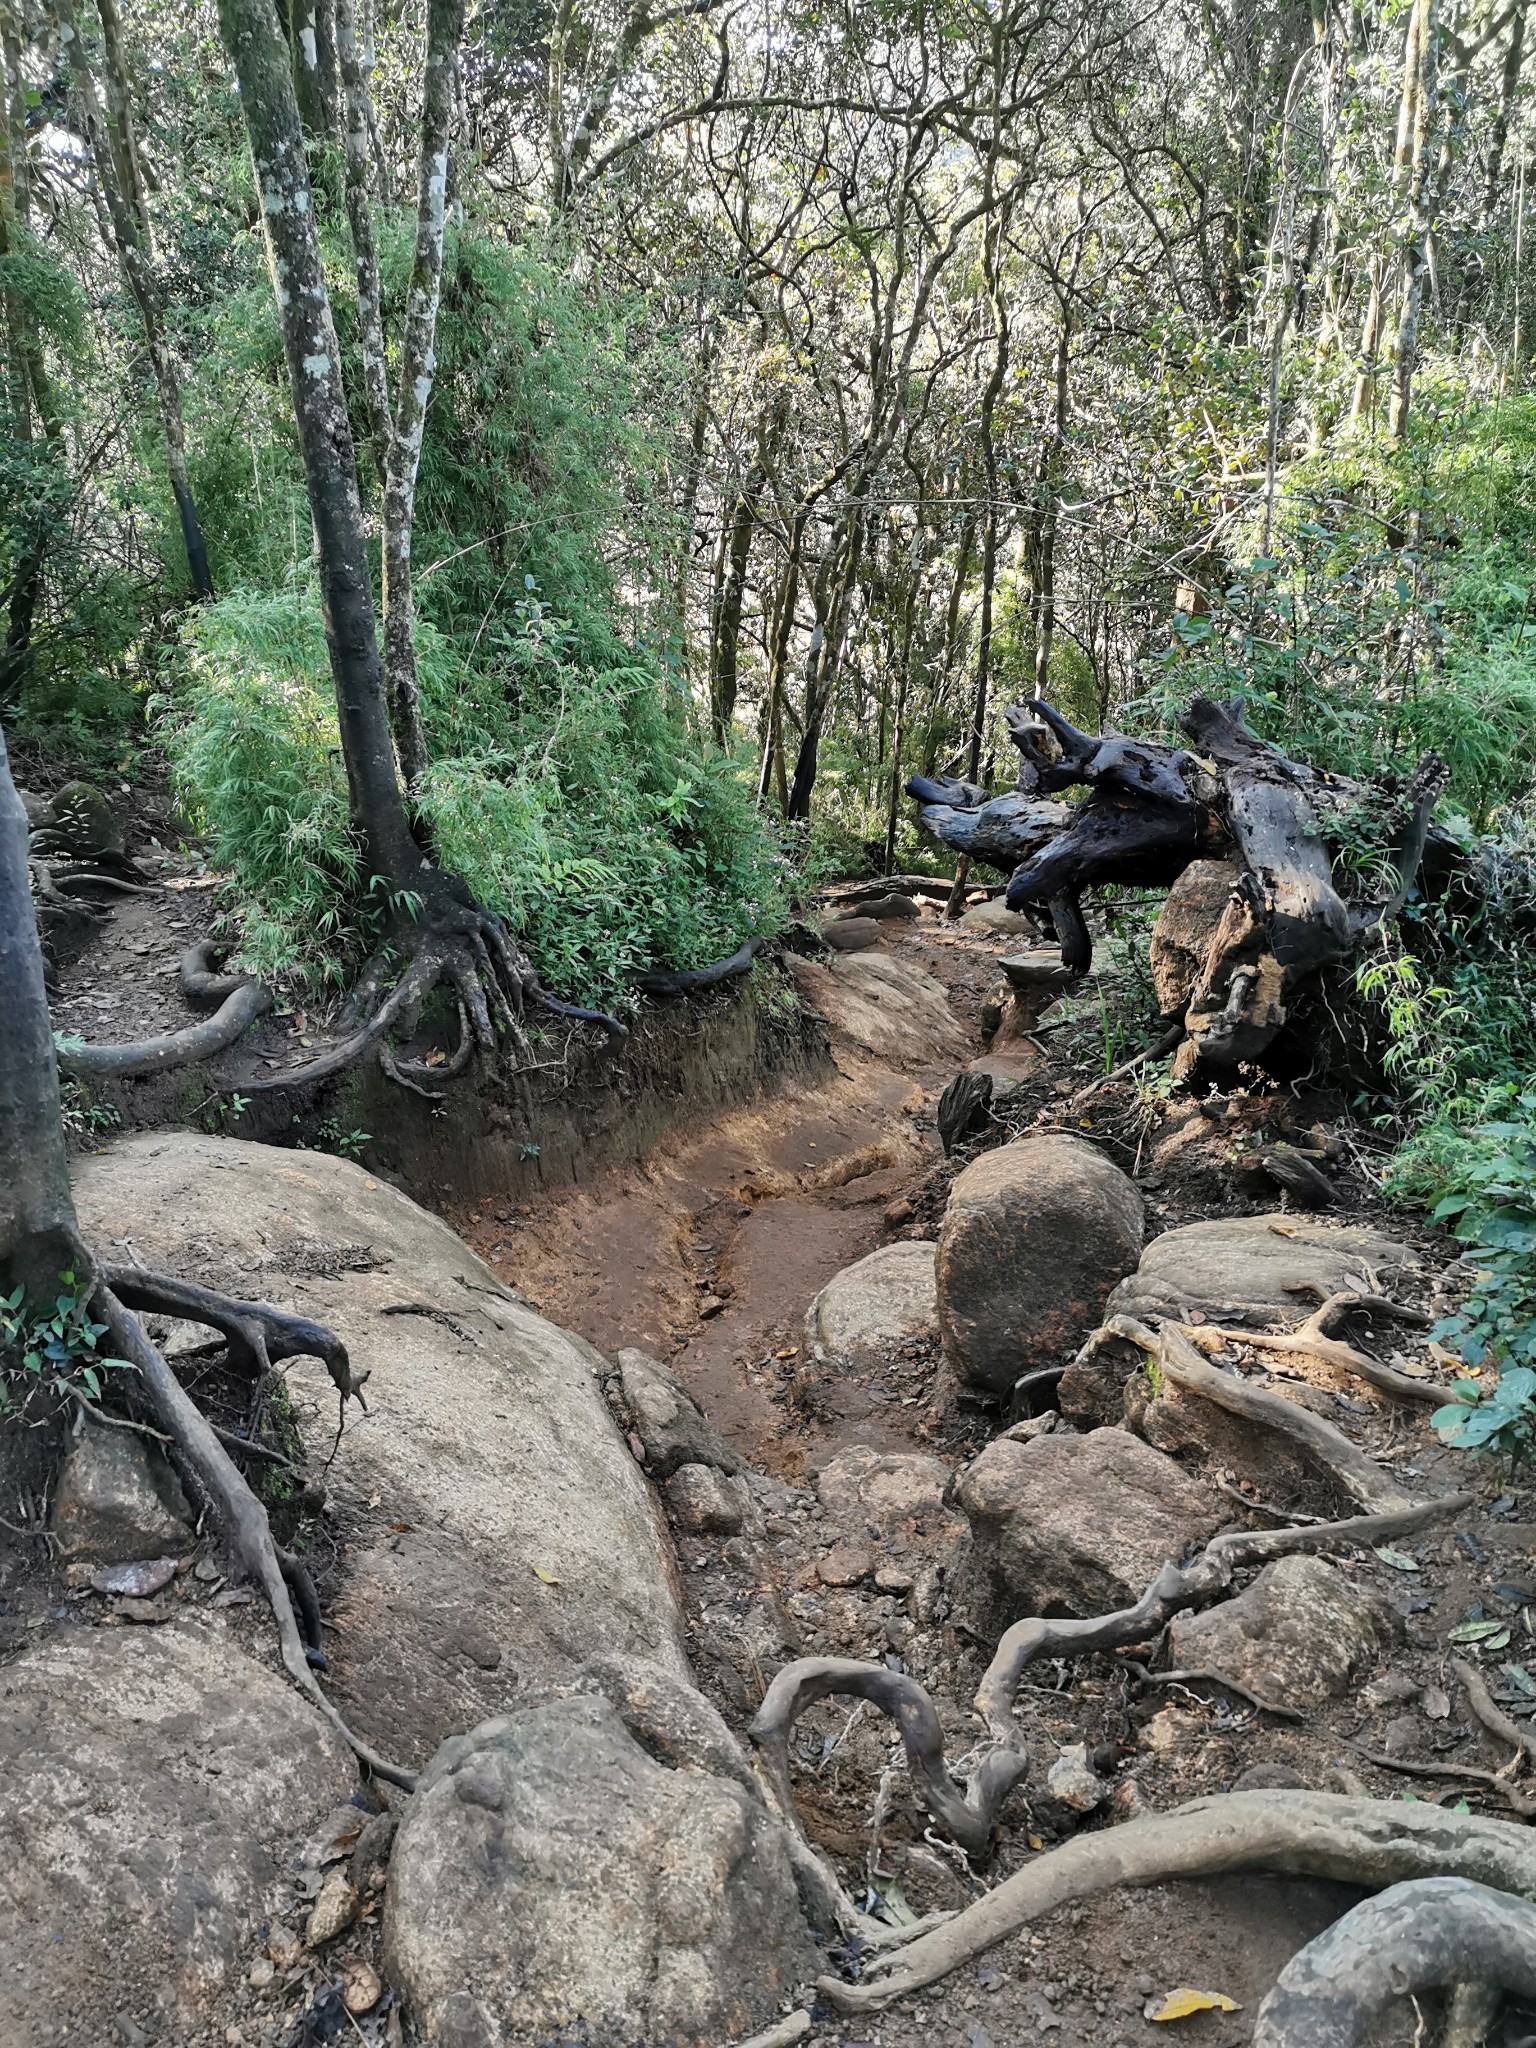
[(807, 1322)]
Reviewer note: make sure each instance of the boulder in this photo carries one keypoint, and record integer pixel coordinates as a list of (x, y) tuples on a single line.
[(1246, 1263), (881, 1300), (704, 1502), (1301, 1633), (883, 1005), (995, 917), (499, 1530), (1035, 1235), (551, 1881), (1184, 929), (117, 1499), (673, 1429), (1079, 1524), (156, 1783)]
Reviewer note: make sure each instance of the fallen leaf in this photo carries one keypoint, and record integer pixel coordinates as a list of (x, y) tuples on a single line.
[(1520, 1679), (1179, 2005), (548, 1577), (1480, 1632), (1436, 1704), (1399, 1560)]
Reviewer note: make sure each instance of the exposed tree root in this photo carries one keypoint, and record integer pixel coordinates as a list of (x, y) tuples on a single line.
[(689, 981), (1206, 1577), (969, 1814), (1426, 1934), (1318, 1338), (492, 982), (1523, 1803), (1328, 1448), (1496, 1722), (1294, 1834), (259, 1336), (1218, 1678), (241, 1001), (240, 1514)]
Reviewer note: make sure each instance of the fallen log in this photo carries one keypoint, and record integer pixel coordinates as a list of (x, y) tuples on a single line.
[(1150, 810)]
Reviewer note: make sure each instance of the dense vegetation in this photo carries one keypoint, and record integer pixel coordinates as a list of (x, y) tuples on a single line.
[(810, 382)]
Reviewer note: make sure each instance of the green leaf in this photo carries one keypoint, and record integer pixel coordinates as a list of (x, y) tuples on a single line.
[(1399, 1560), (1478, 1631)]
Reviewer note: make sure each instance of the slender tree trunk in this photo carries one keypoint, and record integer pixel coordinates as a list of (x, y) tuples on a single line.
[(314, 65), (260, 56), (724, 666), (773, 702), (1416, 255), (357, 129), (1509, 96), (418, 365), (822, 669), (1044, 606), (39, 1239), (30, 392), (131, 240), (993, 390)]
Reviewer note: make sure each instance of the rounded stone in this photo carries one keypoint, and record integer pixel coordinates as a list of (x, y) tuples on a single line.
[(1035, 1236)]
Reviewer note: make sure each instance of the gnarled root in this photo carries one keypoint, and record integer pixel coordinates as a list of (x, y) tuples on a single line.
[(492, 981), (691, 980), (967, 1814), (234, 1017), (1326, 1447), (1295, 1834), (1318, 1338), (1426, 1934), (240, 1515)]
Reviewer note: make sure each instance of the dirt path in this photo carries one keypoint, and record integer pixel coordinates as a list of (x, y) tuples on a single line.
[(709, 1252)]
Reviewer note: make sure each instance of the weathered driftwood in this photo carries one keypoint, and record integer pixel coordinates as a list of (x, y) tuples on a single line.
[(1151, 810)]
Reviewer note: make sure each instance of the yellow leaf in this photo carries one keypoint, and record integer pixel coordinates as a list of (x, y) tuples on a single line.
[(1034, 1841), (548, 1577), (1178, 2005)]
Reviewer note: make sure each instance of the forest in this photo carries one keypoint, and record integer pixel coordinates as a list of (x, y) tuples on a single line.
[(536, 535)]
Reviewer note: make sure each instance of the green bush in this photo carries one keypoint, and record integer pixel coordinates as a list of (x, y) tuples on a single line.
[(583, 804)]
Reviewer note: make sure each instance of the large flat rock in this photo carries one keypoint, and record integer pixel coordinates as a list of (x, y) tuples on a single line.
[(886, 1298), (497, 1530), (1246, 1264), (152, 1785), (883, 1005), (553, 1883)]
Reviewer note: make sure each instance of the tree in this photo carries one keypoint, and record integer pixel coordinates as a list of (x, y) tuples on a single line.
[(435, 923), (41, 1247)]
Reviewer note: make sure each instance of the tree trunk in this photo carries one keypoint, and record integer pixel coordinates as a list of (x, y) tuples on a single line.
[(357, 130), (989, 397), (130, 237), (39, 1239), (724, 666), (772, 772), (260, 56), (1045, 586), (1420, 200)]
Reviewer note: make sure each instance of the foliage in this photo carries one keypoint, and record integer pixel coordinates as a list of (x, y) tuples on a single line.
[(1482, 1181), (54, 1350), (582, 804)]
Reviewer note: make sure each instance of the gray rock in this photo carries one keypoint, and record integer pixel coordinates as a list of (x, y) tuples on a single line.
[(1092, 1389), (602, 1896), (995, 917), (533, 1539), (883, 1299), (671, 1426), (875, 1002), (704, 1502), (1079, 1524), (1245, 1262), (1035, 1235), (117, 1499), (156, 1782), (885, 1493), (1185, 926), (1301, 1633)]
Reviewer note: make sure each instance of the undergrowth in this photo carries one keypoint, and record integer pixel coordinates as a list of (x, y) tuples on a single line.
[(581, 802)]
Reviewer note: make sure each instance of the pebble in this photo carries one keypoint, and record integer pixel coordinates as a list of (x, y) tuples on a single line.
[(334, 1909), (261, 1973), (889, 1580), (361, 1989), (140, 1580), (844, 1566)]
